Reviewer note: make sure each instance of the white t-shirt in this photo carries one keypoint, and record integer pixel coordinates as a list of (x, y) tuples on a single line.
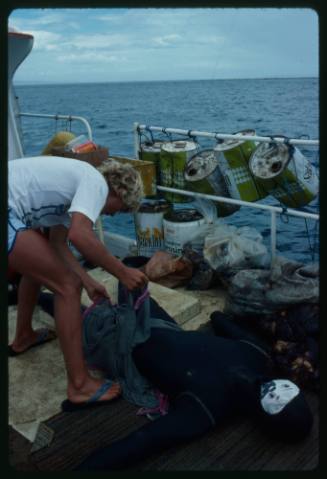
[(43, 190)]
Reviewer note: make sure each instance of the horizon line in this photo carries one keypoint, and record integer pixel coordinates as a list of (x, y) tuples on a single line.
[(35, 83)]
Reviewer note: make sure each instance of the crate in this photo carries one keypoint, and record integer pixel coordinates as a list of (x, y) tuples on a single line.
[(147, 170), (95, 158)]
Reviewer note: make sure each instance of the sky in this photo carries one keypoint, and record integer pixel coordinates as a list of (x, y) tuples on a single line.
[(121, 45)]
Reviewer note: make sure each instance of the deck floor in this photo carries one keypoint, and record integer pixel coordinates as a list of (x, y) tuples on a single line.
[(239, 446)]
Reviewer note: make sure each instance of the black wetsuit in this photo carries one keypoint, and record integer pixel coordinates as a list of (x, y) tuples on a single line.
[(202, 374)]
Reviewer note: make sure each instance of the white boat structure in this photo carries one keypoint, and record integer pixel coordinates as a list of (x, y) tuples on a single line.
[(20, 44)]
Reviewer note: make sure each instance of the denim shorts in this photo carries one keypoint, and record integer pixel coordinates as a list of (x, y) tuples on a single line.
[(14, 225)]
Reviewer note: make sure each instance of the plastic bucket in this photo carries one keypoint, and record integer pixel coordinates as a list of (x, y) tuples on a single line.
[(203, 175), (285, 173), (174, 156), (149, 226), (233, 158), (179, 227)]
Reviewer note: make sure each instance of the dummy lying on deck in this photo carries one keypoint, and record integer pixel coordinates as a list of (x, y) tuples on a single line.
[(207, 379)]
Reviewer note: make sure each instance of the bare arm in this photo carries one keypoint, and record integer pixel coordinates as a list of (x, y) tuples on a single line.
[(58, 239), (84, 239)]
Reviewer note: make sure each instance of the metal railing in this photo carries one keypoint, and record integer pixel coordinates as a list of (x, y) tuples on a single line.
[(98, 224), (272, 209), (214, 135), (63, 117)]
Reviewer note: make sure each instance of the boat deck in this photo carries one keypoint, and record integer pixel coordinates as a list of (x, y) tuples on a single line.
[(40, 373)]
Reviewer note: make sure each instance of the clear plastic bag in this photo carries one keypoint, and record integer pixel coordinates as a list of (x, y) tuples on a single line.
[(228, 248), (208, 210)]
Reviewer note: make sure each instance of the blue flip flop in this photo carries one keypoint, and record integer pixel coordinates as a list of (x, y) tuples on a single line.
[(44, 336), (69, 406)]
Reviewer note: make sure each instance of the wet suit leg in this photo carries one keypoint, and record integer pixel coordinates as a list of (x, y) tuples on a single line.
[(186, 420)]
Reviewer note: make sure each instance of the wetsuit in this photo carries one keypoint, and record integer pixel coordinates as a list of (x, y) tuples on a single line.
[(202, 374)]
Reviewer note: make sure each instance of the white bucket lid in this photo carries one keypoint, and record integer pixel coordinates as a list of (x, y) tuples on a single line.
[(269, 160), (154, 147), (180, 145), (229, 144), (201, 165)]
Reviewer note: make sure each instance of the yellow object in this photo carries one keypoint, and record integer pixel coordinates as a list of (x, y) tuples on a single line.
[(61, 138), (147, 170)]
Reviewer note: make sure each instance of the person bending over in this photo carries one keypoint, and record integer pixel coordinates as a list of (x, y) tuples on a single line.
[(208, 379), (66, 196)]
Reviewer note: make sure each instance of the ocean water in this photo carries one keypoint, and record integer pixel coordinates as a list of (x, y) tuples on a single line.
[(287, 106)]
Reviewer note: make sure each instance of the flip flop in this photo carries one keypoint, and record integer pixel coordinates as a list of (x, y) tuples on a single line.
[(69, 406), (44, 336)]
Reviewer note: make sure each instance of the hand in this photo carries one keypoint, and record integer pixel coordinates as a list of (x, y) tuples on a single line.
[(94, 289), (133, 278)]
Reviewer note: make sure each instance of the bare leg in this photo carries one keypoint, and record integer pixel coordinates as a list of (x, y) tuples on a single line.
[(28, 292), (33, 256)]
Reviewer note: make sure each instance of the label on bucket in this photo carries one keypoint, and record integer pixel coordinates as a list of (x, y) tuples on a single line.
[(173, 160), (233, 164), (149, 232), (285, 173)]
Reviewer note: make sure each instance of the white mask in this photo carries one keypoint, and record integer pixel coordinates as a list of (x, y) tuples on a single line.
[(276, 394)]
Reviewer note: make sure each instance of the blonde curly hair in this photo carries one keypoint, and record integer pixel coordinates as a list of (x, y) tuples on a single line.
[(125, 181)]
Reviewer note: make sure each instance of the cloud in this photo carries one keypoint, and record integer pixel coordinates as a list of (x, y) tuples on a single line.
[(41, 19), (99, 41), (167, 40), (90, 56), (44, 40), (220, 41)]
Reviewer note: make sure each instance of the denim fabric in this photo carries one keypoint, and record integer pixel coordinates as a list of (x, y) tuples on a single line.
[(110, 332)]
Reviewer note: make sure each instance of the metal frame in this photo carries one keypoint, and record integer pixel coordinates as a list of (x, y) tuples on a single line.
[(62, 117), (98, 223), (193, 133), (272, 209)]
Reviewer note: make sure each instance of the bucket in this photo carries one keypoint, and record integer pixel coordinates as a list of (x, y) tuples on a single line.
[(149, 226), (233, 157), (150, 151), (179, 227), (173, 158), (203, 174), (285, 173)]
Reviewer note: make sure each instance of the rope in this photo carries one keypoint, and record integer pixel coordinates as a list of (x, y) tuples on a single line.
[(167, 134), (284, 216), (311, 246), (56, 124), (147, 140), (151, 134)]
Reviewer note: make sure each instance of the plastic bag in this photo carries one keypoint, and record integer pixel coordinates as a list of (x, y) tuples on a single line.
[(208, 210), (167, 270), (261, 291), (228, 248)]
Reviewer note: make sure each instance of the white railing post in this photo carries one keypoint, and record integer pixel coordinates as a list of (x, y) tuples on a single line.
[(136, 140), (273, 235)]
